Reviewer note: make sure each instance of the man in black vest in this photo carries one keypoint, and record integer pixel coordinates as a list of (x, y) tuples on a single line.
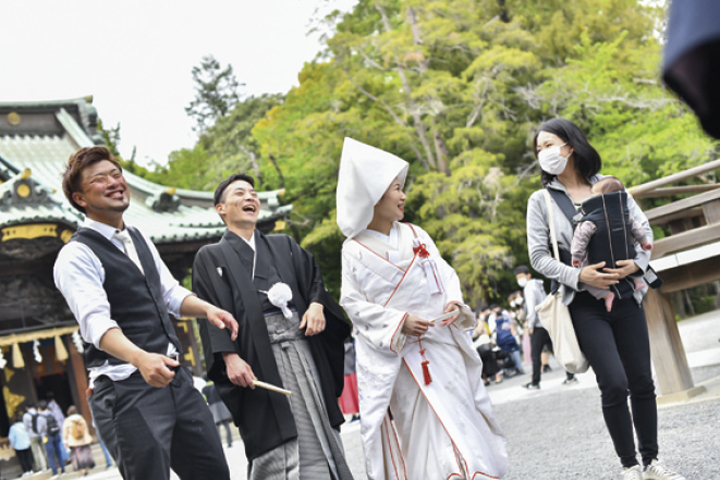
[(145, 406), (291, 335)]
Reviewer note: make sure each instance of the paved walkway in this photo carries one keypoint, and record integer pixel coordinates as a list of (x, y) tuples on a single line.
[(557, 433)]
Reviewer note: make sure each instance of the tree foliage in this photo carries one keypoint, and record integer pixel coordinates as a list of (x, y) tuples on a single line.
[(457, 88), (216, 93)]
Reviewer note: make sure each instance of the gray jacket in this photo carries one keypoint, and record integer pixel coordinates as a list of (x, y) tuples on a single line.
[(534, 293), (540, 251)]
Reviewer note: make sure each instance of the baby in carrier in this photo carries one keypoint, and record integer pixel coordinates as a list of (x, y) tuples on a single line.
[(605, 233)]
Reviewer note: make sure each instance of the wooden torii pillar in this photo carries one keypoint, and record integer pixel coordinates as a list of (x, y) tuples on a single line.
[(686, 264)]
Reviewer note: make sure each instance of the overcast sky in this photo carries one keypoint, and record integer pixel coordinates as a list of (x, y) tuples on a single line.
[(135, 56)]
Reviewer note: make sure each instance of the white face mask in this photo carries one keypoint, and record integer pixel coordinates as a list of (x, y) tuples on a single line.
[(519, 300), (522, 281), (551, 161)]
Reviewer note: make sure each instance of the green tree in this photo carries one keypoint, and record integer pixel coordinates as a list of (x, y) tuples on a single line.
[(216, 92), (457, 88)]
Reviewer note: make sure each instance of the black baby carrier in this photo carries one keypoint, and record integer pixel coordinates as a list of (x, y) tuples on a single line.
[(594, 251), (613, 239)]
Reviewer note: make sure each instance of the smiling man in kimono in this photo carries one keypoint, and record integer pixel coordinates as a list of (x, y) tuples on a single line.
[(414, 356), (290, 335)]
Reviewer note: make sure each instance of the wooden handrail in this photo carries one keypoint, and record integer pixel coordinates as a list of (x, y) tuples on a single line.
[(656, 213), (675, 178), (682, 190), (686, 240)]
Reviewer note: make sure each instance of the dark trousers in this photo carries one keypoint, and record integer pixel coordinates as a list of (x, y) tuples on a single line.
[(539, 339), (53, 449), (617, 347), (490, 366), (150, 430), (25, 459), (228, 433)]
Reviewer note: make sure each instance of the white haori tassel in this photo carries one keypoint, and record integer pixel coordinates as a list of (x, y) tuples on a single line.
[(429, 266), (3, 362), (279, 295)]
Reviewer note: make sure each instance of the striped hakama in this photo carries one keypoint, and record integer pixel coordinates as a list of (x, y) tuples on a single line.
[(317, 452)]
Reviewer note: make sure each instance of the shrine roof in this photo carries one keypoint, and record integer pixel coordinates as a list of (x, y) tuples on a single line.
[(36, 140)]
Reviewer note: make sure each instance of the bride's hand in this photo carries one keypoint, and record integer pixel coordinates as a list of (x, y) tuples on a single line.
[(452, 305), (415, 326)]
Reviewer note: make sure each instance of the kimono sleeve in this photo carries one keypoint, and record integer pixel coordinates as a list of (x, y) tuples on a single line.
[(381, 326), (208, 285), (451, 282)]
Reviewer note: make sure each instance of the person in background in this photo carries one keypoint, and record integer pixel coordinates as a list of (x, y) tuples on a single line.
[(19, 440), (505, 339), (349, 403), (59, 418), (36, 444), (517, 312), (106, 454), (48, 427), (534, 293), (221, 414), (483, 345), (75, 435)]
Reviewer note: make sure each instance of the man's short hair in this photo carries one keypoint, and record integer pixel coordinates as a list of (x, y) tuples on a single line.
[(219, 196), (42, 405), (522, 270), (83, 158)]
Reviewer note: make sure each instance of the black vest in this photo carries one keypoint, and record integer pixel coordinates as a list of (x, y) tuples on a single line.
[(136, 302), (612, 240)]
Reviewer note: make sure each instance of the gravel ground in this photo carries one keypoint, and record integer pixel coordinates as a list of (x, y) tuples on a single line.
[(563, 436)]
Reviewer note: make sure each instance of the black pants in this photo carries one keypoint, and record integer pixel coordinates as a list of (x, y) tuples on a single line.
[(150, 430), (490, 366), (228, 433), (617, 347), (25, 459), (539, 339)]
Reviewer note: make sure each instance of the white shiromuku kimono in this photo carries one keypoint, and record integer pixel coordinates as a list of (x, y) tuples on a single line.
[(442, 430)]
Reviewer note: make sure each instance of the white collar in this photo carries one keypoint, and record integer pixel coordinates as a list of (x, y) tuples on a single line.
[(250, 242), (103, 229), (392, 239)]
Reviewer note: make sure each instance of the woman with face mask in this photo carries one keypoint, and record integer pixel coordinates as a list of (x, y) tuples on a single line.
[(424, 412), (615, 343)]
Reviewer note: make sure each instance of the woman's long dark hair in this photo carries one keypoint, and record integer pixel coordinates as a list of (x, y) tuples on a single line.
[(587, 159)]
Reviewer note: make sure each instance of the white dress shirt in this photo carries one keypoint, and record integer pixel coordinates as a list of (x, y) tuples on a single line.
[(79, 275)]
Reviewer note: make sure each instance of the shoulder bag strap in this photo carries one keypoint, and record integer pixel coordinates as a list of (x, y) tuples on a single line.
[(551, 222)]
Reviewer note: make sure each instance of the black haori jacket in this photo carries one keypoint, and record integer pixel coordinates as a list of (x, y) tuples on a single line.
[(136, 301), (222, 277), (612, 240)]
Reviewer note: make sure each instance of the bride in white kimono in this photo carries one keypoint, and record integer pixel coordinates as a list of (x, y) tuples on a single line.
[(440, 423)]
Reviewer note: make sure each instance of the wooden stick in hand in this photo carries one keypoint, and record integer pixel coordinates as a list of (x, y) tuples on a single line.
[(268, 386)]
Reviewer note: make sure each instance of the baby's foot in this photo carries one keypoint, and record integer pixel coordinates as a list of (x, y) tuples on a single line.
[(609, 300)]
